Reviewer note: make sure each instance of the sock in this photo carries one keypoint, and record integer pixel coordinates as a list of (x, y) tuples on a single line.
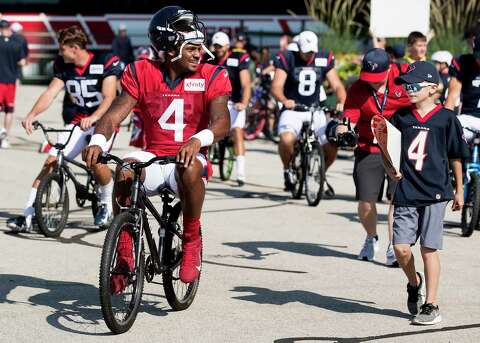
[(191, 228), (240, 165), (28, 210), (106, 195)]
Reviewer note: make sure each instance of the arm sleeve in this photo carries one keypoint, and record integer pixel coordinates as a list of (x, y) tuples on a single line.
[(330, 63), (112, 66), (219, 84), (281, 62), (456, 144), (244, 62), (455, 70), (58, 68), (129, 81), (351, 108)]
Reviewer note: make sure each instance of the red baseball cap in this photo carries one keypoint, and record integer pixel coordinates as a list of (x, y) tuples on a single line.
[(375, 65)]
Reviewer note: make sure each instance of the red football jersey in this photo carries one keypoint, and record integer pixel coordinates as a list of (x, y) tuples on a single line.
[(173, 111)]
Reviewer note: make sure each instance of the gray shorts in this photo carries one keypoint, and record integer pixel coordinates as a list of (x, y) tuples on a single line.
[(426, 222), (369, 177)]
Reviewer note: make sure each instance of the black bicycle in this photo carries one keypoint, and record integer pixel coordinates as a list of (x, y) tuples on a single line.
[(52, 199), (120, 308), (223, 154), (308, 162)]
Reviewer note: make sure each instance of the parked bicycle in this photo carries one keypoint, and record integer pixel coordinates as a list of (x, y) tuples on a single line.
[(471, 182), (262, 115), (223, 155), (52, 199), (120, 310)]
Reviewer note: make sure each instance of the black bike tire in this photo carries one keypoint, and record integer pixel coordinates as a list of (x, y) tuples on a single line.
[(297, 188), (53, 177), (108, 252), (223, 161), (473, 197), (168, 287), (315, 201)]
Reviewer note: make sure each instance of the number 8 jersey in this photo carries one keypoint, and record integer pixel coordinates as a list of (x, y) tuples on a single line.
[(304, 79), (84, 85), (173, 111)]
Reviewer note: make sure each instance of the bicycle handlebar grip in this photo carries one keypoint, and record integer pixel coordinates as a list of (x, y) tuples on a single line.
[(36, 125), (103, 158)]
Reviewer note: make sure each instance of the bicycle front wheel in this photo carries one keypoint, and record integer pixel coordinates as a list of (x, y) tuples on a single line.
[(52, 205), (315, 175), (179, 295), (121, 274)]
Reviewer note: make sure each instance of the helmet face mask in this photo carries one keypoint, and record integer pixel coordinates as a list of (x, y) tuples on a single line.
[(172, 26)]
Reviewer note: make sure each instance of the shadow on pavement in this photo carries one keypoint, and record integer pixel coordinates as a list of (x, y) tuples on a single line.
[(75, 305), (341, 305), (254, 268), (235, 192), (379, 337), (311, 249)]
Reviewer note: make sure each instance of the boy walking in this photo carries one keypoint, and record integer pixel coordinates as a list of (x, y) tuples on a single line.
[(431, 137)]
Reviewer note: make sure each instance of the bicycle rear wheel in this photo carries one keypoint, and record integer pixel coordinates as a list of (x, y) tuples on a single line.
[(121, 276), (314, 175), (226, 160), (179, 295), (471, 209), (51, 206)]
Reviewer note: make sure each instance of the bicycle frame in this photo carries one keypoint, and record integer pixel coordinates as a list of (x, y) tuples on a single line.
[(142, 226)]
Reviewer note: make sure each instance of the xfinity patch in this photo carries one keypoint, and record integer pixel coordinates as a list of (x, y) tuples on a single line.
[(232, 62), (194, 85), (320, 62), (96, 69)]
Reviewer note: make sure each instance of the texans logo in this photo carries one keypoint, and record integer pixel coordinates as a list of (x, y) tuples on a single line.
[(398, 94), (411, 68), (372, 66)]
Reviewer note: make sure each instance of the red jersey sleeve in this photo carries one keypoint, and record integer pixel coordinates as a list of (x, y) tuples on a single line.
[(219, 84), (130, 82), (352, 105)]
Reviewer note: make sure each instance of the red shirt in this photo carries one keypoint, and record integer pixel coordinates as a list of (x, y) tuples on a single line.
[(360, 106), (172, 112)]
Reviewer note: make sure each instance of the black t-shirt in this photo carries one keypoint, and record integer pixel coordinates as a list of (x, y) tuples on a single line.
[(467, 71), (235, 62), (10, 54), (85, 84), (427, 145), (20, 39), (304, 79)]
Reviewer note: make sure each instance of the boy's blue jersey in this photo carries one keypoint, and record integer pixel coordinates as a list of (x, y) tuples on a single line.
[(427, 145)]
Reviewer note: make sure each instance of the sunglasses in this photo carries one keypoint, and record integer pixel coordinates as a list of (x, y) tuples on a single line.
[(414, 87)]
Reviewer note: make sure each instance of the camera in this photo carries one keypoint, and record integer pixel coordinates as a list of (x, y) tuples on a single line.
[(346, 139)]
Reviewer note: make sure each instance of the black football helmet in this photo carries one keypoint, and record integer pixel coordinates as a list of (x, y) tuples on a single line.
[(173, 25)]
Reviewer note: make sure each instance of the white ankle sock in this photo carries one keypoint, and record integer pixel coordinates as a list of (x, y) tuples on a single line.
[(29, 205), (106, 194), (240, 165)]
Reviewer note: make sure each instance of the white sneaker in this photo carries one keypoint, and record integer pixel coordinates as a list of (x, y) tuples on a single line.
[(370, 247), (391, 259), (5, 144), (3, 133)]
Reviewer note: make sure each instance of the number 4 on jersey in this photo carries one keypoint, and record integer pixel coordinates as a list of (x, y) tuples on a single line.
[(175, 108), (416, 151)]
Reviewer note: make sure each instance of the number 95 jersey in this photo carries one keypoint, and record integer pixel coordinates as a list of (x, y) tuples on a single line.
[(173, 111), (84, 85), (304, 78)]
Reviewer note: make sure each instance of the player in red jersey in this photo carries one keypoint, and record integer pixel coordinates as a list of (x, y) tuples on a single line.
[(183, 104)]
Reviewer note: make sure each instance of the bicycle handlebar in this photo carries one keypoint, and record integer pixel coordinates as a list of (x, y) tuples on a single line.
[(37, 125), (105, 157)]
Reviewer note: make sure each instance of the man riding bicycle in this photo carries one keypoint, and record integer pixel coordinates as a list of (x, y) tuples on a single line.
[(298, 78), (465, 83), (90, 80), (183, 104)]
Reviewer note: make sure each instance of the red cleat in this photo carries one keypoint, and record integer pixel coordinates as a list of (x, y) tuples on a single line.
[(191, 260)]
